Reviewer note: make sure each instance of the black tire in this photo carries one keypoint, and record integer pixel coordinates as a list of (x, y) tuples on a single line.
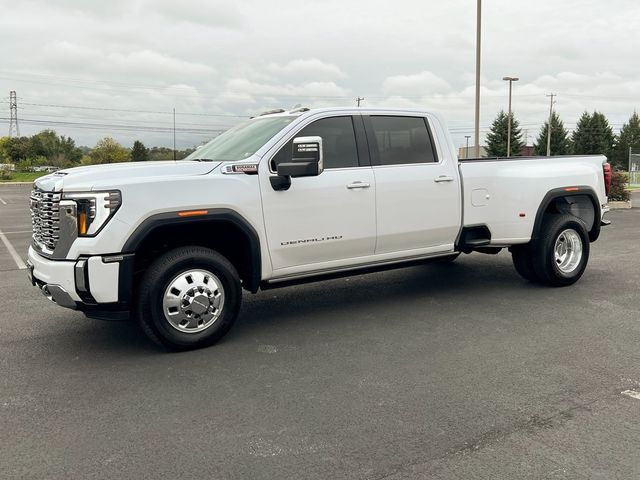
[(546, 266), (522, 257), (155, 282)]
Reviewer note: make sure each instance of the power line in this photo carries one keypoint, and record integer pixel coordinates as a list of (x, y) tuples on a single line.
[(44, 116), (102, 126), (124, 110)]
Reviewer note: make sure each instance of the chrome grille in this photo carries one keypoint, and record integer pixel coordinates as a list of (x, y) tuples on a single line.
[(45, 218)]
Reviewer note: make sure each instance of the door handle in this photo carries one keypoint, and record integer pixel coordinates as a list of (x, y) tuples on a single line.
[(355, 185), (443, 178)]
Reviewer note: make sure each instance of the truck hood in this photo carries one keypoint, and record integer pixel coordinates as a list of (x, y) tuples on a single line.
[(95, 177)]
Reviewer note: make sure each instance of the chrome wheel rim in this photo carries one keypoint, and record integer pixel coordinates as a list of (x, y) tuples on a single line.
[(567, 252), (193, 301)]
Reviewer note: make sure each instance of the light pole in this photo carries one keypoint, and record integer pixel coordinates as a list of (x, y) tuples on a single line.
[(466, 151), (477, 113), (510, 80)]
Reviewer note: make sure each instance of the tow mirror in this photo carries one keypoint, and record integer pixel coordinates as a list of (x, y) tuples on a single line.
[(306, 160)]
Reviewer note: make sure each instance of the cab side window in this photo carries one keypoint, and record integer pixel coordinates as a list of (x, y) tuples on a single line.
[(338, 142), (402, 140)]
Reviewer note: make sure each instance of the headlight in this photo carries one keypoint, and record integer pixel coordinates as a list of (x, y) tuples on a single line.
[(94, 209)]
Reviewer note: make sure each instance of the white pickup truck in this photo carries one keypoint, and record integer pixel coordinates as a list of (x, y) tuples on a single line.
[(292, 196)]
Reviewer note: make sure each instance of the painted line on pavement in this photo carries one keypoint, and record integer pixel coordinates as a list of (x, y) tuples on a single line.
[(2, 201), (12, 251), (632, 393), (17, 231)]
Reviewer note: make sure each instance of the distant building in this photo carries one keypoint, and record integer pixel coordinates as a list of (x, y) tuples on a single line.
[(527, 151), (463, 152)]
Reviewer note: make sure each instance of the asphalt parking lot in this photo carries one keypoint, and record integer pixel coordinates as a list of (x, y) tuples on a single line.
[(442, 371)]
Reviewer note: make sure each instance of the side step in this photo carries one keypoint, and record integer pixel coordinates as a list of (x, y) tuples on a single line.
[(473, 237), (478, 242)]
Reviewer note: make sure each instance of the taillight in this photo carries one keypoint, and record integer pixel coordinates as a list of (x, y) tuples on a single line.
[(606, 168)]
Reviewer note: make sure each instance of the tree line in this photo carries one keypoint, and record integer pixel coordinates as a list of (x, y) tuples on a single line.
[(593, 135), (47, 148)]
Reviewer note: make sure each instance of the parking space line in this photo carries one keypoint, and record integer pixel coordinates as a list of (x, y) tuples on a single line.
[(632, 393), (12, 251), (17, 232), (2, 201)]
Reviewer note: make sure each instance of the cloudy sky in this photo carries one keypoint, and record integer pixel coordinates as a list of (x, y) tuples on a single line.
[(118, 67)]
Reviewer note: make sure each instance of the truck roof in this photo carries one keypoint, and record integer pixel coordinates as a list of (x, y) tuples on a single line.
[(310, 111)]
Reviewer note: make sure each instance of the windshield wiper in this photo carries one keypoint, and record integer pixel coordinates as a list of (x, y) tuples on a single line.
[(201, 160)]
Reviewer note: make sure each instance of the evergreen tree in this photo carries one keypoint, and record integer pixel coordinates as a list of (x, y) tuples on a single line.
[(560, 142), (139, 153), (497, 136), (629, 138), (593, 135)]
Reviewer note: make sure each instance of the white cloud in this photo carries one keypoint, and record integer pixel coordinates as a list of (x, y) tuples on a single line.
[(307, 69), (154, 63), (236, 58), (416, 84)]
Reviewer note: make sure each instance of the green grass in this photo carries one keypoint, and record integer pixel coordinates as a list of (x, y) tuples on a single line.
[(24, 177)]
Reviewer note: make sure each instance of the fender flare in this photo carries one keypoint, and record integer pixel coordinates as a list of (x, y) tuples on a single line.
[(152, 223), (573, 191)]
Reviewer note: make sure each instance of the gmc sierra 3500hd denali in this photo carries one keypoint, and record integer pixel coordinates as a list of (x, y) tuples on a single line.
[(290, 196)]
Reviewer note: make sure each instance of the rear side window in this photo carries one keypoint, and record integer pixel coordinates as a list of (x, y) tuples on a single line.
[(338, 142), (402, 140)]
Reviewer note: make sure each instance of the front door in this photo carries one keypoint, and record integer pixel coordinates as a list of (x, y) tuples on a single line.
[(326, 221)]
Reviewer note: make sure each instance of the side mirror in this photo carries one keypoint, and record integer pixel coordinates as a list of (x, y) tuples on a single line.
[(306, 160)]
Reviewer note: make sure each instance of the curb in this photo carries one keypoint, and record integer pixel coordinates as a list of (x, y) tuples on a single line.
[(620, 205)]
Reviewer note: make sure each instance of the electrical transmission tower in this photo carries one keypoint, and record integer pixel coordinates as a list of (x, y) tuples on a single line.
[(13, 108)]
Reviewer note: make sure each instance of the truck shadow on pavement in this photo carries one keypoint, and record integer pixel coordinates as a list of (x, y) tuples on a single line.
[(351, 298), (408, 291)]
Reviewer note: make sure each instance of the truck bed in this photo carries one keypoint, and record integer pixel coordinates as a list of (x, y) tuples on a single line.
[(505, 193)]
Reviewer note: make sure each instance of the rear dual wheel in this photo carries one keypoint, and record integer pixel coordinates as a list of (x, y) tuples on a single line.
[(559, 256)]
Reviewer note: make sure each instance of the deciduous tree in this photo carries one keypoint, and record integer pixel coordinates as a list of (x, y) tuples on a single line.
[(108, 150)]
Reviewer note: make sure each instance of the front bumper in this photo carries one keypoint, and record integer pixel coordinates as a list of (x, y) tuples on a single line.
[(95, 283)]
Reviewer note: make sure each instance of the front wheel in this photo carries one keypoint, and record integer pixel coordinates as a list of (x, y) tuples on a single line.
[(561, 254), (189, 298)]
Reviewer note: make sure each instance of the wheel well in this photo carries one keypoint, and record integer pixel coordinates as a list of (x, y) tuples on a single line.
[(223, 235), (582, 206)]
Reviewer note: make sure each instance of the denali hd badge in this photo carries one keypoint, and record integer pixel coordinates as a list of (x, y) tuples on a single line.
[(248, 168), (311, 240)]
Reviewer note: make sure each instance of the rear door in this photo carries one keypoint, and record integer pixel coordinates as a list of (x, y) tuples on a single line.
[(417, 186)]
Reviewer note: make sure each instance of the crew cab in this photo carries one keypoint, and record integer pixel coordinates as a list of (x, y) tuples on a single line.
[(294, 196)]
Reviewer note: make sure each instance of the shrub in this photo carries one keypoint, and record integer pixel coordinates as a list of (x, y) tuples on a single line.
[(619, 192), (5, 174)]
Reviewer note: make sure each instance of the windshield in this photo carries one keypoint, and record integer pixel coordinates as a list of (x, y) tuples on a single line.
[(241, 141)]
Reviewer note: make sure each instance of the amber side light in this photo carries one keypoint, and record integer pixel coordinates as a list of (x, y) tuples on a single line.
[(192, 213), (82, 223), (571, 189)]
